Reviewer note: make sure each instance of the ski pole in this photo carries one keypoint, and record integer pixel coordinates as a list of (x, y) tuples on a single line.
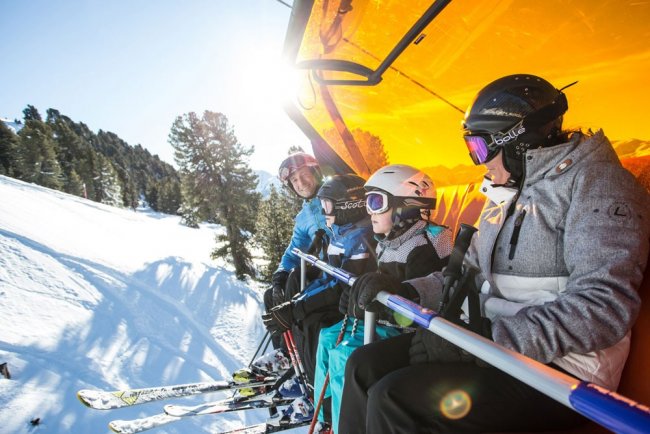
[(327, 378), (609, 409), (347, 278), (453, 271), (266, 335), (296, 362), (268, 342)]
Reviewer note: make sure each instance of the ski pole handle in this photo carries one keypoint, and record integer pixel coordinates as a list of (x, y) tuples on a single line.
[(453, 270), (609, 409)]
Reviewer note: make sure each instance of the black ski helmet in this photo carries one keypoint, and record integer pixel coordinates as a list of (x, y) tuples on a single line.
[(347, 198), (296, 161), (514, 113)]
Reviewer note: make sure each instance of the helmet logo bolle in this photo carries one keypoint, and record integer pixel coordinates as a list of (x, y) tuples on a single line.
[(503, 138)]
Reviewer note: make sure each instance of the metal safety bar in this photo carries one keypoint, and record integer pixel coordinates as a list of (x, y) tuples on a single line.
[(607, 408), (345, 277), (603, 406)]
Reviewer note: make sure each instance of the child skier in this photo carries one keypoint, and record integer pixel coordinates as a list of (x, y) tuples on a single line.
[(409, 246), (343, 204)]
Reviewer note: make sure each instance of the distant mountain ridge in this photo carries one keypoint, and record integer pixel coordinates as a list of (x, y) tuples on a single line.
[(265, 181), (631, 148)]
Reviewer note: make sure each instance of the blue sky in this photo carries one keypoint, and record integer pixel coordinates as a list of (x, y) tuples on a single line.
[(132, 67)]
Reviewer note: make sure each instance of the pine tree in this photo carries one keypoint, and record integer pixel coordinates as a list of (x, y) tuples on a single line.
[(169, 199), (218, 182), (107, 185), (9, 164), (274, 226), (295, 148), (69, 151), (372, 148), (38, 155), (73, 184), (30, 113), (369, 146)]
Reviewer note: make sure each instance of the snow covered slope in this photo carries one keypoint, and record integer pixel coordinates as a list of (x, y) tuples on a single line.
[(98, 297)]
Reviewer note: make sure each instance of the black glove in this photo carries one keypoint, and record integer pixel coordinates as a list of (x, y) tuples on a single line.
[(366, 288), (279, 319), (279, 281), (427, 347), (312, 273), (344, 300)]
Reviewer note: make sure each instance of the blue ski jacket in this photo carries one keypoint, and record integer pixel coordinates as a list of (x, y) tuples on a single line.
[(350, 247), (307, 222)]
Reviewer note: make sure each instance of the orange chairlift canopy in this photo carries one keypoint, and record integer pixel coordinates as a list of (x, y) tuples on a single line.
[(388, 81)]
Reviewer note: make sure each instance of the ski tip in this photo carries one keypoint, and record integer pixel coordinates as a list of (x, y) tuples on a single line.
[(113, 427), (82, 399)]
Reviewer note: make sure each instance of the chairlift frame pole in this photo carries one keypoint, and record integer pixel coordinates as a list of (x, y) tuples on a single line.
[(345, 277)]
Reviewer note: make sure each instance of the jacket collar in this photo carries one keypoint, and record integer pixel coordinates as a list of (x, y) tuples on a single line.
[(364, 223), (417, 228), (556, 160)]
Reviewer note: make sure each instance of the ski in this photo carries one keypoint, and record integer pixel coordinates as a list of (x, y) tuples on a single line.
[(226, 405), (138, 425), (108, 400), (264, 428), (175, 413)]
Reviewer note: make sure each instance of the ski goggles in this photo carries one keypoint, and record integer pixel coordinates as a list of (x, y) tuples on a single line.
[(481, 148), (329, 206), (377, 202), (286, 172)]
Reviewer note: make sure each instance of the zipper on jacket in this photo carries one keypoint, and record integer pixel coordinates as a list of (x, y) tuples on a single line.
[(515, 234)]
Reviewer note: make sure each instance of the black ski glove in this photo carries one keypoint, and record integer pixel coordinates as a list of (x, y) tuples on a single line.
[(279, 319), (279, 281), (366, 288), (312, 273), (428, 347)]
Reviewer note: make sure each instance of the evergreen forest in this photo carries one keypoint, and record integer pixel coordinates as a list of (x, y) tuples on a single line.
[(213, 183), (62, 154)]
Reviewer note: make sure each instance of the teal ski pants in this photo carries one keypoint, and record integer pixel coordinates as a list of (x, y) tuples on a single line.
[(331, 359)]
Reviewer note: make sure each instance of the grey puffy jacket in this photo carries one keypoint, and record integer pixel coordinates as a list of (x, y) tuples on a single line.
[(562, 287)]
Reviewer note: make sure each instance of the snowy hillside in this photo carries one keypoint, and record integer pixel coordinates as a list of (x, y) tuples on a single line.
[(98, 297), (12, 125)]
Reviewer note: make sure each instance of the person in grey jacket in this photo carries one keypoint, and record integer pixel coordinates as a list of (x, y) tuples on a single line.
[(560, 253)]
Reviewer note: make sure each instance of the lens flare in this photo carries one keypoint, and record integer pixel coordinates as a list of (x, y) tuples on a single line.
[(455, 404), (401, 320)]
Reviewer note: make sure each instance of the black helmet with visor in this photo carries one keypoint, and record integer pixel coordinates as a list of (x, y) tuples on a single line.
[(343, 197), (514, 113)]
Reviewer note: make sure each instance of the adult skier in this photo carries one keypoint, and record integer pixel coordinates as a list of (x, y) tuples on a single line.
[(561, 251), (301, 173)]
